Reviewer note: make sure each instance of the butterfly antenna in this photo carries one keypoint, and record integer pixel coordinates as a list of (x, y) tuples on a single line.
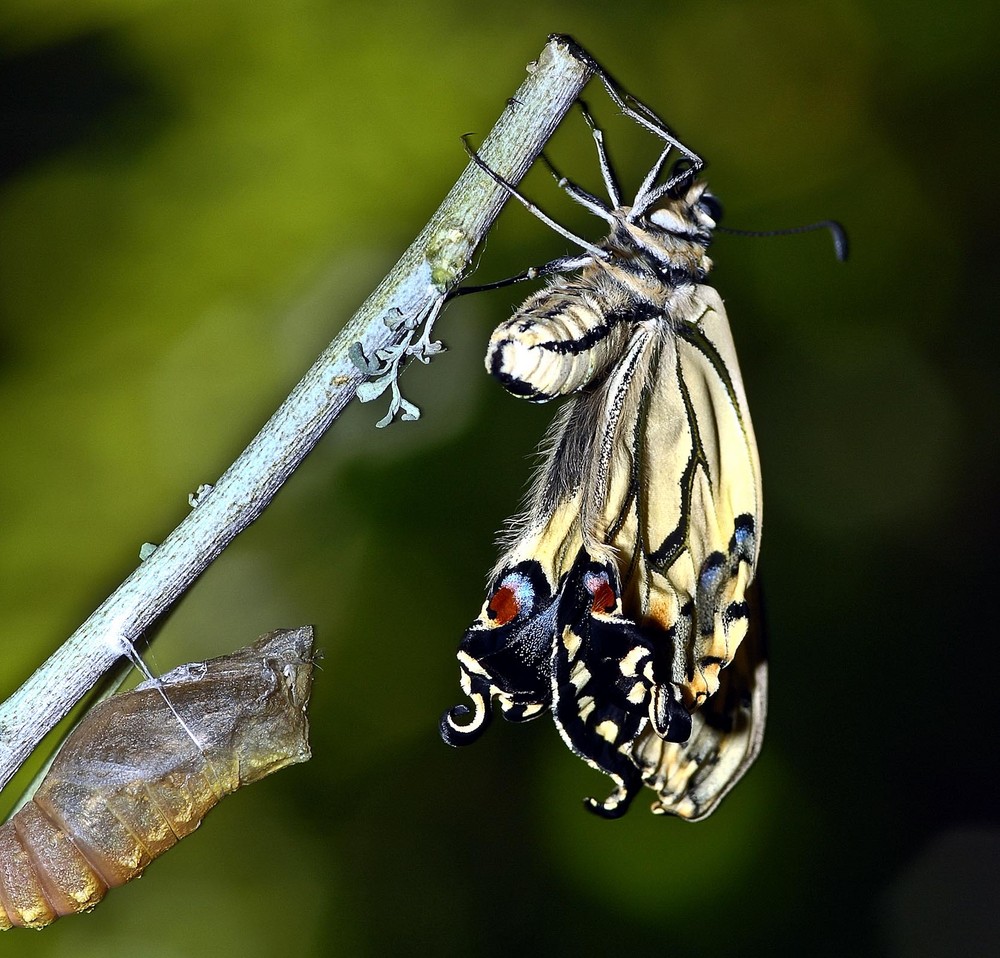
[(839, 234)]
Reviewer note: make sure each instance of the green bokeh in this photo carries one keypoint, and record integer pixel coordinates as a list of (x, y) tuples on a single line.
[(195, 195)]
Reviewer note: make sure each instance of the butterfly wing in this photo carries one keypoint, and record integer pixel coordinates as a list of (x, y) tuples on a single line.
[(505, 654), (632, 561), (673, 503), (692, 777), (697, 515)]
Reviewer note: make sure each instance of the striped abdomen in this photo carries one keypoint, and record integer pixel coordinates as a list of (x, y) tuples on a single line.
[(562, 338)]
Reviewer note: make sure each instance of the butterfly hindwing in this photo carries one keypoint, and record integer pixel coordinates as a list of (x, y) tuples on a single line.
[(601, 673), (506, 654)]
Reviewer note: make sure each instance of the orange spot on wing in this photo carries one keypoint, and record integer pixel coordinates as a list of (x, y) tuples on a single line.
[(503, 606), (605, 599)]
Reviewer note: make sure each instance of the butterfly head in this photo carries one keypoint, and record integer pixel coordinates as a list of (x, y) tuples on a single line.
[(689, 212), (670, 225)]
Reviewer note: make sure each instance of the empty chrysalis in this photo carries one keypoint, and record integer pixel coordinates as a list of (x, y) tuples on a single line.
[(129, 782)]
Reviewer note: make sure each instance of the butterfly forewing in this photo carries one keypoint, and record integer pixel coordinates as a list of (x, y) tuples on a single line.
[(703, 497), (691, 778)]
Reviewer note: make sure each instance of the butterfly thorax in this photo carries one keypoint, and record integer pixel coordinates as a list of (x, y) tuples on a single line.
[(661, 259)]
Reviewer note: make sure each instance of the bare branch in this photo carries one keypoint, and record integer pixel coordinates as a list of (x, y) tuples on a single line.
[(407, 299)]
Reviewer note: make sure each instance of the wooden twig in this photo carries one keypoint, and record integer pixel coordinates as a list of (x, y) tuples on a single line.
[(366, 354)]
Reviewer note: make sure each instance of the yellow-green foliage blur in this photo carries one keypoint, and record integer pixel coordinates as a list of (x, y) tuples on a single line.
[(195, 195)]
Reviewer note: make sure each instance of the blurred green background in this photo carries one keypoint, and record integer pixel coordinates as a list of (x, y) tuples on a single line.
[(196, 195)]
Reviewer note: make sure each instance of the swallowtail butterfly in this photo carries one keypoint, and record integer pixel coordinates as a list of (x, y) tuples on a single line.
[(622, 603), (131, 779)]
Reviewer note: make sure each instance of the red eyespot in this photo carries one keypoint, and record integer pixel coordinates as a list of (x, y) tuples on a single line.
[(503, 606), (604, 598)]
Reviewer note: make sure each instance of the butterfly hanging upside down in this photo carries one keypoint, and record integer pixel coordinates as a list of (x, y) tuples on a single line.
[(622, 602)]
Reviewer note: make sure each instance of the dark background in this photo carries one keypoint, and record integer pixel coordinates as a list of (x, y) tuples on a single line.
[(195, 196)]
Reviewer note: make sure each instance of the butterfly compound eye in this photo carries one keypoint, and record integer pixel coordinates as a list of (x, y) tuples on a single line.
[(710, 205)]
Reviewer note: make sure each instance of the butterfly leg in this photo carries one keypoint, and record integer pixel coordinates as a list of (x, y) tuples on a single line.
[(628, 104), (640, 113), (564, 264), (596, 252), (607, 171)]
